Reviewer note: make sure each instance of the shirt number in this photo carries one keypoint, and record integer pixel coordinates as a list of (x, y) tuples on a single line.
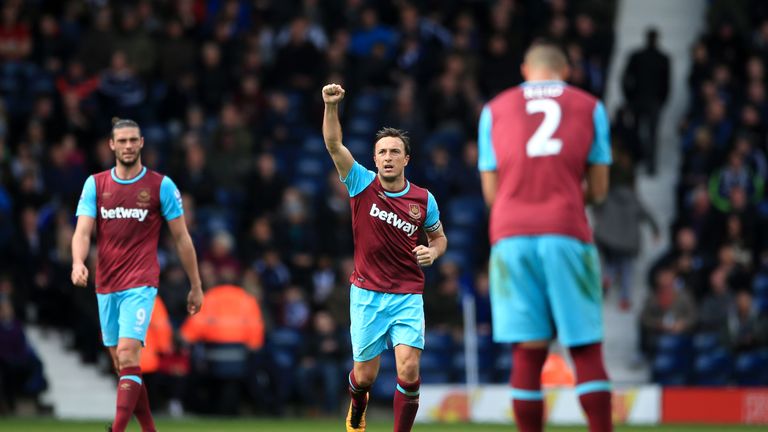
[(541, 142)]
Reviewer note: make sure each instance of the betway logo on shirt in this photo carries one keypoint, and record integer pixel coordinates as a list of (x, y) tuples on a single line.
[(124, 213), (393, 219)]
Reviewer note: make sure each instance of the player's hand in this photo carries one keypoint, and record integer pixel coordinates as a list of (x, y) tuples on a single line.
[(79, 275), (333, 94), (195, 300), (424, 255)]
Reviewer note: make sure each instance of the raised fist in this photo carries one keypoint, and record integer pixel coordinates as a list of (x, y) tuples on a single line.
[(333, 94)]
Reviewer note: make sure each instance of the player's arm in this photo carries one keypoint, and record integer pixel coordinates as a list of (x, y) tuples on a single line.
[(81, 239), (488, 182), (597, 183), (186, 250), (342, 158), (438, 242), (173, 211), (486, 161), (81, 243), (599, 158)]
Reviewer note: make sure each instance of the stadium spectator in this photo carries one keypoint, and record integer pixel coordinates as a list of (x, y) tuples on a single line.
[(669, 310), (321, 367), (617, 228), (228, 328), (646, 85), (21, 372)]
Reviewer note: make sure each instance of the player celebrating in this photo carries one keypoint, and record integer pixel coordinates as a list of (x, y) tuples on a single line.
[(127, 204), (537, 143), (387, 283)]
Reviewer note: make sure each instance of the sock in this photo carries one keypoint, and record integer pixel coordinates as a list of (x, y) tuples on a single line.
[(406, 403), (527, 397), (593, 386), (357, 393), (143, 413), (128, 392)]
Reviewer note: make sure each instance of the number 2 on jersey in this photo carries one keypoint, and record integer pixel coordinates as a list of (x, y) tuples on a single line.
[(541, 142)]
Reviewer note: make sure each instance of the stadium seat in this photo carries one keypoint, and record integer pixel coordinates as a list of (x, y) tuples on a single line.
[(226, 361), (435, 361), (384, 386), (674, 344), (670, 369), (751, 368), (368, 103), (362, 125), (706, 342), (313, 144), (713, 368), (467, 211), (311, 166), (388, 361), (437, 341), (285, 337), (435, 376)]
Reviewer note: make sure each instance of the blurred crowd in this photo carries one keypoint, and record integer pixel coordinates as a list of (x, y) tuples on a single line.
[(227, 94), (706, 318)]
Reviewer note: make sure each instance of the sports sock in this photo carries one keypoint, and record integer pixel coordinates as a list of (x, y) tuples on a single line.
[(406, 404), (593, 386), (128, 392), (143, 412), (527, 397), (357, 393)]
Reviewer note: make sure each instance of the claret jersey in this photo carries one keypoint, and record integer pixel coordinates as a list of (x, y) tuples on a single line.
[(539, 137), (385, 227), (129, 215)]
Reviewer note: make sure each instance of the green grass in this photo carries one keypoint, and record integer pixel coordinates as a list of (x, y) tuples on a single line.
[(211, 425)]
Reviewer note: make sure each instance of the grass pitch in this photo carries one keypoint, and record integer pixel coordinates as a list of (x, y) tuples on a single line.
[(216, 425)]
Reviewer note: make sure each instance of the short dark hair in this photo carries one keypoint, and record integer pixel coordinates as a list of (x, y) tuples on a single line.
[(395, 133), (118, 123)]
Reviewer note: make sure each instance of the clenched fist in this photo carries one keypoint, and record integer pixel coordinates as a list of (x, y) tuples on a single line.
[(79, 275), (333, 94)]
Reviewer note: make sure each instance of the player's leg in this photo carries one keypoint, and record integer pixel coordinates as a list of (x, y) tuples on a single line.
[(135, 309), (108, 320), (407, 336), (406, 399), (368, 330), (522, 316), (576, 298)]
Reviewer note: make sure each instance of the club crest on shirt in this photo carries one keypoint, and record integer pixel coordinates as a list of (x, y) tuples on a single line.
[(143, 197), (414, 211)]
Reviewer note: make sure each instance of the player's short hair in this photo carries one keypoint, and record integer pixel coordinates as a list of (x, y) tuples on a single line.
[(395, 133), (546, 54), (118, 123)]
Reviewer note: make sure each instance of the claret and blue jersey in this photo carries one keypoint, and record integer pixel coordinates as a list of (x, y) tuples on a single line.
[(129, 215), (385, 226)]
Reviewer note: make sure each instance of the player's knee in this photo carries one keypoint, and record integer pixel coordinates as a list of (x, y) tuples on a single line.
[(408, 369), (127, 356), (365, 376)]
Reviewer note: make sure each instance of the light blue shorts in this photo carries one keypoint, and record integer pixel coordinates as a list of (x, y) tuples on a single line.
[(378, 318), (546, 286), (126, 314)]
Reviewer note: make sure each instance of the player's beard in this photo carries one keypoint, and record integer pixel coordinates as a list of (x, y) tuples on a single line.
[(128, 163)]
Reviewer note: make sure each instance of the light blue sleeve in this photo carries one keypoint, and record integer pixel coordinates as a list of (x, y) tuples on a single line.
[(486, 160), (600, 153), (170, 200), (87, 204), (358, 178), (432, 222)]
